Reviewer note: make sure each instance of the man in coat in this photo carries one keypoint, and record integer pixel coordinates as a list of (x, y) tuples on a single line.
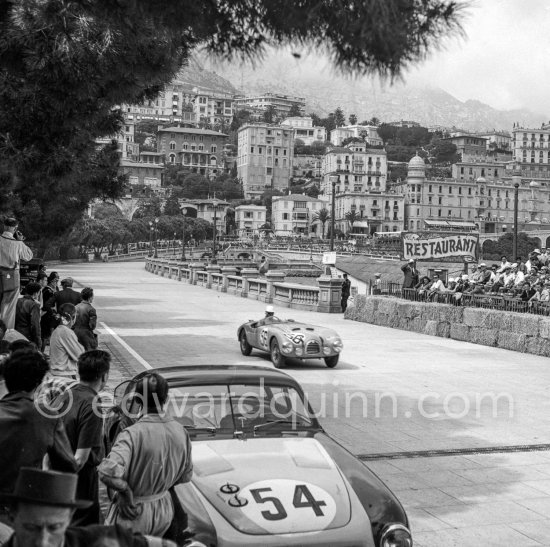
[(65, 296), (27, 314), (12, 251), (411, 274)]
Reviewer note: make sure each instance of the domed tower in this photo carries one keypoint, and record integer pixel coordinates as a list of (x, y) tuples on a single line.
[(416, 173), (414, 204)]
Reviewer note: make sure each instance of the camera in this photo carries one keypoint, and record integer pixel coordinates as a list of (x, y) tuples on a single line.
[(19, 236)]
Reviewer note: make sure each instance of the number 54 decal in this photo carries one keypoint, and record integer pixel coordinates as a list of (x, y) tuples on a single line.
[(284, 505)]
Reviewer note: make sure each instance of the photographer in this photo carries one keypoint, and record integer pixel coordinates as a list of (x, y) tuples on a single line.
[(12, 251)]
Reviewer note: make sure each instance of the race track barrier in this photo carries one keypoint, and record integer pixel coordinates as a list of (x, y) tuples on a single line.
[(270, 288)]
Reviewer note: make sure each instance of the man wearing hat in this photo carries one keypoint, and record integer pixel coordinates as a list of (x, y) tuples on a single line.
[(411, 274), (65, 296), (42, 505), (12, 251)]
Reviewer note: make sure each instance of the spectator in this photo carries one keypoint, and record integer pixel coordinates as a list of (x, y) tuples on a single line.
[(377, 285), (12, 251), (263, 266), (27, 314), (43, 503), (494, 275), (86, 320), (65, 296), (543, 257), (42, 280), (411, 274), (84, 425), (534, 260), (521, 265), (145, 462), (503, 264), (527, 292), (545, 293), (48, 321), (27, 434), (346, 290), (65, 349), (519, 278), (437, 286), (423, 285)]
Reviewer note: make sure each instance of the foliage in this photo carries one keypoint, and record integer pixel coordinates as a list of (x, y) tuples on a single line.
[(323, 216), (294, 111), (352, 119), (313, 191), (270, 114), (65, 66), (397, 172), (172, 206), (350, 140), (103, 210), (352, 217), (339, 117), (443, 151), (150, 208), (493, 250), (400, 153)]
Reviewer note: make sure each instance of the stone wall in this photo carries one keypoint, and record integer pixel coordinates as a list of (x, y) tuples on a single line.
[(508, 330)]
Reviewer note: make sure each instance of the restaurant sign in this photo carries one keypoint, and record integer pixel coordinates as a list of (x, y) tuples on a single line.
[(433, 246)]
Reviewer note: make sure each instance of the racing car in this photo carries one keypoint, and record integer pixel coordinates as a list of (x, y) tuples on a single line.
[(264, 470), (284, 338)]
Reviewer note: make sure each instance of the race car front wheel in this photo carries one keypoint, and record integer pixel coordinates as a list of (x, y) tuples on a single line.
[(246, 348), (277, 357), (331, 362)]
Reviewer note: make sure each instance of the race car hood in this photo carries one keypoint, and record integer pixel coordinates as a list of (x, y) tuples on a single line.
[(304, 328), (288, 485)]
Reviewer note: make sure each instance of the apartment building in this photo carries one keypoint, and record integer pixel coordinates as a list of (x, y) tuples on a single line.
[(198, 150), (249, 219), (305, 130), (281, 103), (361, 190), (264, 158), (295, 215), (469, 146), (369, 133), (215, 108), (483, 203)]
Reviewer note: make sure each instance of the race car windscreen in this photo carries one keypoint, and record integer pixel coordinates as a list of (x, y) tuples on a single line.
[(239, 407)]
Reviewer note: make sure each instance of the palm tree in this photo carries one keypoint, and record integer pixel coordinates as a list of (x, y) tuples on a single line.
[(323, 216), (352, 217)]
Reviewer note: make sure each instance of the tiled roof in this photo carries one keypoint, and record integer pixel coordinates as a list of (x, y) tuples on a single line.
[(191, 131)]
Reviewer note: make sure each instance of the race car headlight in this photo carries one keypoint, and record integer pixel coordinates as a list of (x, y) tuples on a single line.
[(326, 350), (287, 347), (337, 345), (299, 351), (396, 535)]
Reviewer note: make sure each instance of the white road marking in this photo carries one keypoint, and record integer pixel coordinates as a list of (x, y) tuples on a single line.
[(128, 348)]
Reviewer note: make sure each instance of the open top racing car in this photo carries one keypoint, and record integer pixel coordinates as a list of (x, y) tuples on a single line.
[(264, 470), (284, 338)]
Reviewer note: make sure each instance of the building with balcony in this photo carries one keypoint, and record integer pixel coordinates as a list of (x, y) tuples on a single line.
[(214, 108), (469, 146), (264, 158), (530, 148), (196, 150), (482, 203), (143, 173), (369, 133), (497, 139), (295, 215), (249, 219), (281, 103), (305, 131), (361, 190)]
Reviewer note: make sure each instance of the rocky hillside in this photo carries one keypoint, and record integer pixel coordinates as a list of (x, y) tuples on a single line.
[(324, 90), (194, 74)]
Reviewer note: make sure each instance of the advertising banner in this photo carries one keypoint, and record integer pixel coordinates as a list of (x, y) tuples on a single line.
[(434, 247)]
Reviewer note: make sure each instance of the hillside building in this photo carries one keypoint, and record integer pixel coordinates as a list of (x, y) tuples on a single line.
[(295, 214), (196, 150), (361, 190), (367, 132), (305, 130), (469, 146), (281, 103), (249, 219), (497, 139), (264, 158), (307, 166)]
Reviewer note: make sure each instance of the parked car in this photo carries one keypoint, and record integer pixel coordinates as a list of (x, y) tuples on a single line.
[(284, 338), (265, 471)]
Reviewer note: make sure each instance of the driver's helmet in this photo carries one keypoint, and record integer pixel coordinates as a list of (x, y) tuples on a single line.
[(269, 311)]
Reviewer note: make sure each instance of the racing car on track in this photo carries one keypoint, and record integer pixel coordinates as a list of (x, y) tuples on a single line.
[(264, 470), (284, 338)]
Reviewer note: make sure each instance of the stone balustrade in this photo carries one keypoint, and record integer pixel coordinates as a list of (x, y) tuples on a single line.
[(271, 288)]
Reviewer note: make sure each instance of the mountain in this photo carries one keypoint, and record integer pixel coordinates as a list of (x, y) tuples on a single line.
[(194, 74), (324, 90)]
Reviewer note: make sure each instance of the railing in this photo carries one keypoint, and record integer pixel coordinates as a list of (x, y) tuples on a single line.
[(234, 284), (201, 278), (217, 281), (486, 301)]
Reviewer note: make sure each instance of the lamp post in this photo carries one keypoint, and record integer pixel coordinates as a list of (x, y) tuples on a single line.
[(156, 237), (214, 250), (333, 180), (515, 240), (151, 238), (175, 234), (184, 213)]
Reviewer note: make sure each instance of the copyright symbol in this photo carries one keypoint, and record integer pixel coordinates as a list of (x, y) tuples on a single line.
[(51, 402)]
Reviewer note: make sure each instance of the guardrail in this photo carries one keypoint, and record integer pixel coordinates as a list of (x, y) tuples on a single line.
[(271, 288)]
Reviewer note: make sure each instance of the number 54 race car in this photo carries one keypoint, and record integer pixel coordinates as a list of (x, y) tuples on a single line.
[(285, 338), (265, 473)]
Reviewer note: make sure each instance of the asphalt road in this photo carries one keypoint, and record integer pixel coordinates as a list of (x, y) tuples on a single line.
[(458, 431)]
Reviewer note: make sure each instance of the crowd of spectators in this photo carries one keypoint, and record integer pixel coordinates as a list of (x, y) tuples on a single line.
[(525, 282)]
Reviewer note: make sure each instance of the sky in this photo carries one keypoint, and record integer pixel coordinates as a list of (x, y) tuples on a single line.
[(504, 59)]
